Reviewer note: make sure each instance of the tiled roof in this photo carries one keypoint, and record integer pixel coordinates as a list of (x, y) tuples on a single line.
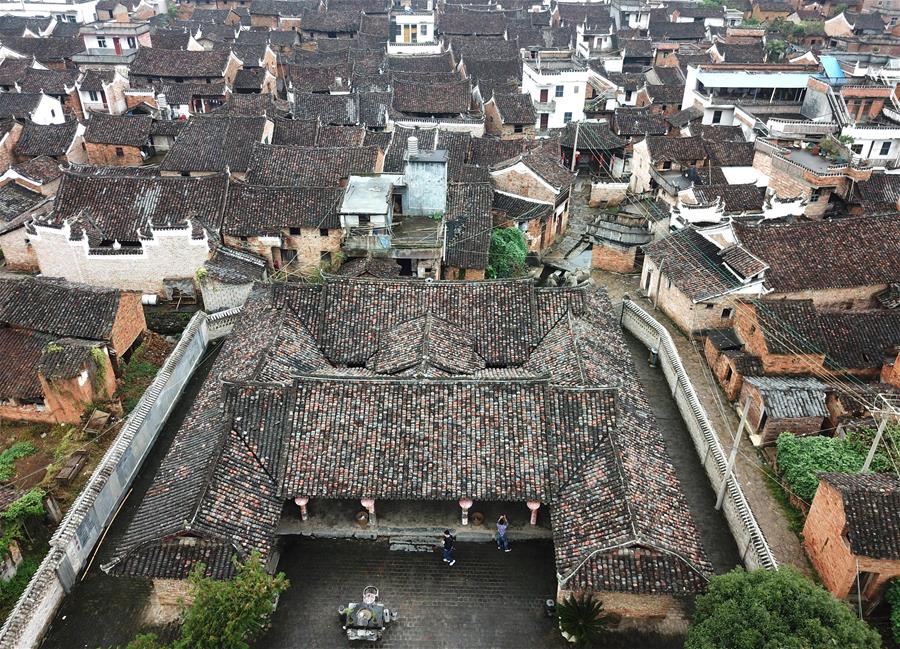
[(665, 94), (472, 23), (235, 267), (46, 139), (126, 130), (518, 209), (488, 151), (676, 149), (247, 105), (730, 154), (480, 47), (93, 80), (308, 166), (286, 8), (515, 108), (57, 308), (685, 116), (499, 69), (593, 454), (637, 47), (545, 161), (468, 222), (295, 132), (790, 397), (872, 511), (693, 264), (124, 209), (880, 193), (859, 251), (661, 31), (21, 352), (50, 49), (18, 104), (42, 169), (183, 93), (16, 204), (591, 135), (171, 64), (432, 98), (422, 64), (741, 52), (370, 267), (170, 39), (717, 134), (254, 210), (213, 143), (317, 78), (638, 121), (330, 109), (330, 21), (50, 82), (250, 79), (738, 198), (11, 70)]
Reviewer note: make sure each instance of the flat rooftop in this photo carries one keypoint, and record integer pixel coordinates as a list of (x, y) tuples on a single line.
[(368, 194)]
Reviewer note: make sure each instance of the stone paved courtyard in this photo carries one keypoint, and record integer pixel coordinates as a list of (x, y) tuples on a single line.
[(488, 600)]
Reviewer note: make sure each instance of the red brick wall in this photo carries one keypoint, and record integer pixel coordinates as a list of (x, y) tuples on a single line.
[(525, 185), (753, 337), (452, 272), (129, 323), (890, 372), (720, 364), (7, 156), (105, 154), (619, 261)]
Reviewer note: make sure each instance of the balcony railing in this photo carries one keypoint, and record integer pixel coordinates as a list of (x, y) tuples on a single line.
[(789, 127)]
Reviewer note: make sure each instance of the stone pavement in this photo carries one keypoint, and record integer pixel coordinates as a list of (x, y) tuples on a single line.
[(488, 600), (750, 467)]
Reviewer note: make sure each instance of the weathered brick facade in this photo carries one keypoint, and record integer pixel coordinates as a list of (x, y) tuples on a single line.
[(8, 146), (17, 252), (619, 261), (309, 244), (772, 427), (753, 336), (825, 541), (129, 323), (114, 155)]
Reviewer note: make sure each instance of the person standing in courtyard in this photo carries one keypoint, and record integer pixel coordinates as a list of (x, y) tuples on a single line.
[(449, 539), (502, 540)]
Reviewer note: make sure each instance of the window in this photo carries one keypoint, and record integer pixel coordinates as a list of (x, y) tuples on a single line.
[(728, 374), (709, 306), (726, 313), (667, 164), (325, 256), (101, 42), (815, 195), (323, 232), (518, 128), (52, 112), (93, 95), (628, 95), (560, 90), (885, 148), (132, 44), (423, 30), (856, 148), (294, 231), (120, 152), (567, 117), (717, 117)]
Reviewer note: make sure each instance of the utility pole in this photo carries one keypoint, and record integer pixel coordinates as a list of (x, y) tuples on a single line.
[(885, 409), (575, 146), (720, 498)]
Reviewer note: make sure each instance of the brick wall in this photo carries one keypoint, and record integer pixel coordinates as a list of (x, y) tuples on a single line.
[(890, 372), (106, 155), (830, 553), (853, 298), (129, 323), (724, 370), (773, 427), (608, 258), (523, 184), (662, 614), (605, 193), (688, 316), (753, 337), (7, 147), (18, 254), (453, 272)]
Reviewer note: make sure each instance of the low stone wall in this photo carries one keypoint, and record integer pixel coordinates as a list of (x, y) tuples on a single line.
[(755, 551), (77, 535)]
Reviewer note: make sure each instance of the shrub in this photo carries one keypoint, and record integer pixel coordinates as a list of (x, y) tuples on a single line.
[(581, 619), (506, 257), (800, 459), (893, 598), (774, 609), (9, 456)]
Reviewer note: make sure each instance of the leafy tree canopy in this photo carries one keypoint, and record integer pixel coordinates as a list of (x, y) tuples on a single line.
[(506, 257), (774, 609)]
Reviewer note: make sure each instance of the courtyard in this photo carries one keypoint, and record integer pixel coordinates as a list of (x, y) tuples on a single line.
[(488, 600)]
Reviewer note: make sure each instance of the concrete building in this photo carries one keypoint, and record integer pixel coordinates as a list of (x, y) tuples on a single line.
[(557, 88), (83, 11)]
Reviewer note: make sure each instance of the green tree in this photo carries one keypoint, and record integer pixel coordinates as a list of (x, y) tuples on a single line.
[(146, 641), (506, 257), (774, 609), (892, 595), (230, 614), (776, 50)]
